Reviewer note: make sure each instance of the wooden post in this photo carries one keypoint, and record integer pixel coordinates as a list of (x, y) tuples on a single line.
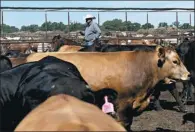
[(68, 24)]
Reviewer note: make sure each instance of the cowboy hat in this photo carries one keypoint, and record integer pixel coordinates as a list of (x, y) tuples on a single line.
[(89, 16)]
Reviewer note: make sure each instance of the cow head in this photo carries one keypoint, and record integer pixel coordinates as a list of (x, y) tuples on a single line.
[(170, 65), (183, 49)]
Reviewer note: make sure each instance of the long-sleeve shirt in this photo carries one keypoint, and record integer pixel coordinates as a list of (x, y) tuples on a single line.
[(92, 31)]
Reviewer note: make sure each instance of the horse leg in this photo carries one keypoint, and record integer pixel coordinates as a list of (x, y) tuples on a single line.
[(190, 93), (192, 80), (187, 93), (173, 90), (156, 104)]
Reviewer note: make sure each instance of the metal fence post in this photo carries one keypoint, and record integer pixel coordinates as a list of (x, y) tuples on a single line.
[(190, 20), (177, 25), (98, 19), (46, 25), (126, 21), (2, 23), (147, 22), (68, 24)]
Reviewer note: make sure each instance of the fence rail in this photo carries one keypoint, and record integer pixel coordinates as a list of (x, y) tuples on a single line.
[(99, 10), (93, 8), (117, 38)]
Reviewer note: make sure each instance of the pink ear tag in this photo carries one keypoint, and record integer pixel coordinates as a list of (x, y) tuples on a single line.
[(107, 106)]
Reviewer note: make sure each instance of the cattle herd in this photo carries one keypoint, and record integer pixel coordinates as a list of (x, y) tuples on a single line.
[(97, 88)]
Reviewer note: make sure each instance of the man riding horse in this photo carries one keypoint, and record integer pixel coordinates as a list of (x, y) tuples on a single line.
[(92, 32)]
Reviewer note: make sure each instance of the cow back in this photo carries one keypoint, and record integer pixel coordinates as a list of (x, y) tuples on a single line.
[(66, 113)]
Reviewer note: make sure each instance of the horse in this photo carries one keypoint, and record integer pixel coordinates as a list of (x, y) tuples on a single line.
[(59, 41)]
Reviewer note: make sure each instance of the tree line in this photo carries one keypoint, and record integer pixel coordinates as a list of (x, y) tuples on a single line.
[(110, 25)]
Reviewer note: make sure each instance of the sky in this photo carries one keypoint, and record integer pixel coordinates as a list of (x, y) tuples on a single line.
[(26, 18)]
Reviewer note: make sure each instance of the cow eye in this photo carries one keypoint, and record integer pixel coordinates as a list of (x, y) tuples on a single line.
[(175, 62)]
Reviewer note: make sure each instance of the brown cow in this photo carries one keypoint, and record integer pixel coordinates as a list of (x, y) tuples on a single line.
[(144, 42), (21, 47), (149, 42), (69, 48), (67, 113), (135, 42), (132, 74), (17, 61)]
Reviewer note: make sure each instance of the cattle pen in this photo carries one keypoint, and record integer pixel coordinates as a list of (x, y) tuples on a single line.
[(133, 72), (46, 38)]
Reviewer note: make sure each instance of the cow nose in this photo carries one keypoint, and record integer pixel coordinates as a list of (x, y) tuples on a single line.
[(189, 75)]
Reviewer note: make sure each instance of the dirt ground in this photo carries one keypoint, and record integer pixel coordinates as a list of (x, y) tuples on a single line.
[(167, 120)]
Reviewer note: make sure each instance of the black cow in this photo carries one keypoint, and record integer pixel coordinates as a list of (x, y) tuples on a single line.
[(186, 51), (12, 53), (114, 48), (5, 63), (15, 54), (26, 86)]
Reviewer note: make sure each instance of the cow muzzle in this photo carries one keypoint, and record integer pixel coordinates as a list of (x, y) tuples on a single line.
[(186, 76)]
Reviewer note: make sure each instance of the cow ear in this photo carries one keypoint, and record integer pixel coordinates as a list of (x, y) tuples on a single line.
[(161, 55)]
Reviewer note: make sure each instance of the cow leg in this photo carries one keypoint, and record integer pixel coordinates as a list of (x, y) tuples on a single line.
[(156, 103), (173, 90), (125, 116)]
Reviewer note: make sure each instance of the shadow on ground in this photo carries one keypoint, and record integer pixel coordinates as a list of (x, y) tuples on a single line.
[(166, 105), (158, 129), (189, 117)]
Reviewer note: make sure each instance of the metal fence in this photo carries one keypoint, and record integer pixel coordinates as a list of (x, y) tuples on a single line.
[(99, 11)]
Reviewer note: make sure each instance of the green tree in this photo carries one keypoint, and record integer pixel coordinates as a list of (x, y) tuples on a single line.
[(48, 25), (61, 26), (185, 26), (76, 26), (128, 25), (114, 25), (9, 29), (24, 28), (14, 29), (31, 28), (147, 25), (176, 24), (162, 24), (132, 26), (55, 26), (52, 26), (136, 26)]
